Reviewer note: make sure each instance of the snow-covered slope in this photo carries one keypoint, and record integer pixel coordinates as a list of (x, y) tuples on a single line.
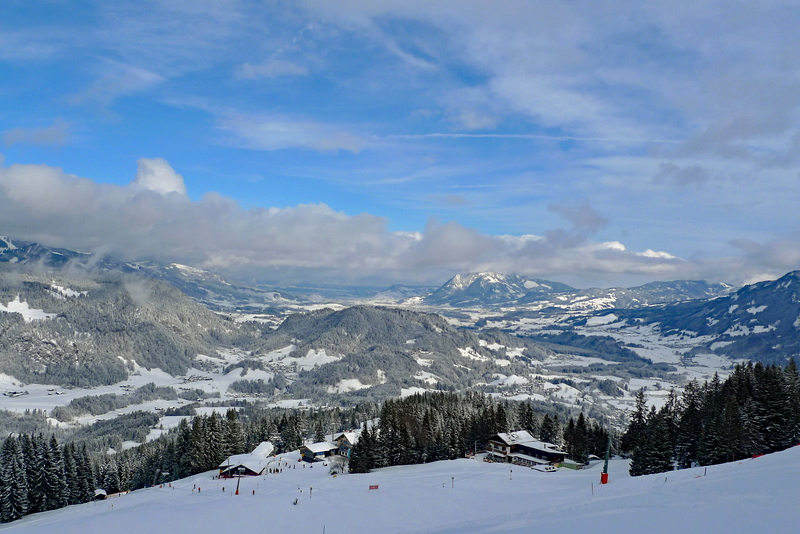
[(459, 496)]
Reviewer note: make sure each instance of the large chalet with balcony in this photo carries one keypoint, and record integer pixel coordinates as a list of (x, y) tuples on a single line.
[(521, 448)]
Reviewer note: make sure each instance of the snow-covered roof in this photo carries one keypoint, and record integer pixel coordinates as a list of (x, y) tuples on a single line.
[(522, 437), (265, 448), (254, 462), (257, 458), (519, 436), (322, 446), (351, 437)]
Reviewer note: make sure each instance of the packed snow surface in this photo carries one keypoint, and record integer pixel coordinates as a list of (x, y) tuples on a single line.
[(459, 496)]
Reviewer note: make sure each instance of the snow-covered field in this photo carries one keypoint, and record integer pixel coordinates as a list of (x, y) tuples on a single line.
[(459, 496)]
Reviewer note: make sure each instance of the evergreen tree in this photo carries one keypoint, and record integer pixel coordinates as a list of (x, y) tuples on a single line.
[(653, 450), (74, 495), (86, 475), (690, 425), (109, 475), (792, 394), (183, 447), (215, 442), (37, 477), (580, 451), (56, 478), (319, 432), (14, 488), (549, 430), (636, 426), (198, 447), (234, 434)]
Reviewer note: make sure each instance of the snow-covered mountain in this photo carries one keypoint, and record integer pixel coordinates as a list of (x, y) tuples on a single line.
[(213, 289), (384, 350), (87, 332), (491, 290), (28, 253), (760, 322), (209, 288)]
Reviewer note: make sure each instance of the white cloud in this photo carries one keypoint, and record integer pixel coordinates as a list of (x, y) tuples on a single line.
[(270, 68), (312, 241), (277, 133), (157, 175), (114, 80), (55, 134)]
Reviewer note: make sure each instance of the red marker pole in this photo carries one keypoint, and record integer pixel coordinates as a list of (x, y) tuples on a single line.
[(604, 475)]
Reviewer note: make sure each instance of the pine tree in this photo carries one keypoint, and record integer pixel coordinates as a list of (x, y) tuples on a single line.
[(234, 434), (14, 488), (71, 475), (215, 442), (581, 447), (198, 447), (183, 446), (37, 477), (550, 430), (690, 425), (109, 475), (792, 392), (636, 426), (56, 478), (86, 475)]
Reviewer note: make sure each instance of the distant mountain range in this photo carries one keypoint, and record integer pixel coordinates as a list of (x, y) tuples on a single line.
[(100, 325), (476, 290), (211, 289), (493, 290), (759, 322)]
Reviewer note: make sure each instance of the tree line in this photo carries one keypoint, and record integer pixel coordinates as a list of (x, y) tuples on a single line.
[(428, 427), (756, 410), (37, 474)]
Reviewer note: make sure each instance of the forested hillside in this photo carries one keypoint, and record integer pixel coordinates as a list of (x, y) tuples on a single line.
[(755, 411), (87, 331)]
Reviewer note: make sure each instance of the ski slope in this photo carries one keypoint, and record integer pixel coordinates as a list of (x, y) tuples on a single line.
[(459, 496)]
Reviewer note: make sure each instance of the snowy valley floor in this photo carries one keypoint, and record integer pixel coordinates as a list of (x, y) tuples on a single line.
[(461, 496)]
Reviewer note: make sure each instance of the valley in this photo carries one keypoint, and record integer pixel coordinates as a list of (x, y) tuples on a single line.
[(72, 332)]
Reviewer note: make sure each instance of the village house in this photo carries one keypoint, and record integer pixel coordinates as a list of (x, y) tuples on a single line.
[(314, 452), (521, 448), (251, 464), (345, 442)]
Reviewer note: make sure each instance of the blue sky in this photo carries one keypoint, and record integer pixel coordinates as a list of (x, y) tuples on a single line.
[(594, 143)]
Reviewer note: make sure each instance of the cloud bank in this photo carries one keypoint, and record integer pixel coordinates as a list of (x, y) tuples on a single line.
[(152, 217)]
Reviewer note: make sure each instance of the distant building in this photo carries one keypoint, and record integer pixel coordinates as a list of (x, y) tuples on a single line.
[(522, 449), (345, 442), (318, 451), (251, 464)]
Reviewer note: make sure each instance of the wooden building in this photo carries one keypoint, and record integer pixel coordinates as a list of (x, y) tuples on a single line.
[(314, 452), (345, 442), (522, 449), (251, 464)]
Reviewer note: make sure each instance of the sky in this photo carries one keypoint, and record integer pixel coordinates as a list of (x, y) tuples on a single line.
[(595, 143)]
